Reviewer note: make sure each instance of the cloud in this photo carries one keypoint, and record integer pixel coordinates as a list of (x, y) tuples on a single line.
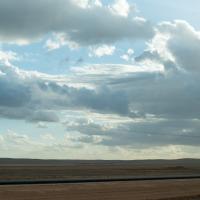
[(154, 133), (176, 45), (8, 56), (83, 25), (16, 139), (88, 3), (161, 108), (44, 116), (130, 51), (128, 56), (1, 139), (125, 57), (42, 125), (159, 95), (47, 137), (58, 40), (22, 145), (54, 44), (183, 44), (150, 106), (35, 96), (13, 94), (136, 133), (121, 7), (104, 50)]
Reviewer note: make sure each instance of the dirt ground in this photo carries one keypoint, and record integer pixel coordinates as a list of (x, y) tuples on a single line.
[(142, 190), (87, 170)]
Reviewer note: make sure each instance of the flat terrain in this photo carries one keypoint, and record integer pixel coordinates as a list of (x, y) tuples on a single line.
[(142, 190), (52, 169), (23, 169)]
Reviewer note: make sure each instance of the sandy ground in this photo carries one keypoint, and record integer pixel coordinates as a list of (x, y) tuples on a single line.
[(142, 190), (78, 171)]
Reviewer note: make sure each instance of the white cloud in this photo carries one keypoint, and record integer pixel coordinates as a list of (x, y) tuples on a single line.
[(58, 40), (47, 137), (16, 139), (42, 125), (104, 50), (88, 3), (175, 44), (125, 57), (130, 51), (51, 45), (128, 56), (54, 44), (112, 145), (8, 56), (1, 139), (121, 7)]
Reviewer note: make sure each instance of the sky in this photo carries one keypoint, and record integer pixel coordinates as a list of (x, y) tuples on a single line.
[(99, 79)]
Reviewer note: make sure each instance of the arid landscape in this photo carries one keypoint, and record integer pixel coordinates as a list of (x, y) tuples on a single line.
[(22, 169), (144, 190)]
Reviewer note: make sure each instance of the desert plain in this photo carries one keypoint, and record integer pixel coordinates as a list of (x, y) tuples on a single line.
[(22, 169)]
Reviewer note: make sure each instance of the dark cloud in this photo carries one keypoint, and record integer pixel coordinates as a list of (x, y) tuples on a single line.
[(29, 20), (30, 97), (143, 134), (12, 94), (161, 133), (44, 116), (101, 100)]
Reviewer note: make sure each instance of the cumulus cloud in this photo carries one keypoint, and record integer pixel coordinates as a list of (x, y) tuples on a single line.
[(35, 96), (128, 56), (170, 100), (88, 3), (8, 56), (121, 7), (183, 44), (154, 107), (104, 50), (55, 44), (58, 40), (176, 45), (84, 25)]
